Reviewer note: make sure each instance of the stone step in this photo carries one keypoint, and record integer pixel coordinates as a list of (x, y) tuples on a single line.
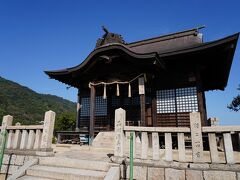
[(74, 163), (33, 178), (104, 140), (64, 173)]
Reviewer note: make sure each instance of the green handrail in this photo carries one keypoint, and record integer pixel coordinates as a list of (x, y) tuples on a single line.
[(3, 140), (131, 156)]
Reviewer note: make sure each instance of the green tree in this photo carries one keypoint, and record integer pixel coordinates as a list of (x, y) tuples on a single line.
[(235, 104), (65, 121)]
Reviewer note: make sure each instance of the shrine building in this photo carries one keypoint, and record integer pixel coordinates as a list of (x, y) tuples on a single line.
[(158, 81)]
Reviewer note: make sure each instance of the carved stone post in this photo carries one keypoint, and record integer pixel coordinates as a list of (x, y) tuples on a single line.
[(47, 135), (120, 119), (7, 121), (196, 135)]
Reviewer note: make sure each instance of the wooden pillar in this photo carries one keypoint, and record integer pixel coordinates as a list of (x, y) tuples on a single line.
[(202, 106), (109, 112), (78, 111), (154, 106), (141, 88), (92, 112), (201, 99), (142, 106)]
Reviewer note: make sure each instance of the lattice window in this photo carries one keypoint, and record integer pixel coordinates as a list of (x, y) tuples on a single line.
[(101, 106), (85, 107), (166, 101), (177, 100), (186, 99), (100, 103)]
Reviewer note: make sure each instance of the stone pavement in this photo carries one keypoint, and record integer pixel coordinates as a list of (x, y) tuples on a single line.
[(82, 152), (102, 154)]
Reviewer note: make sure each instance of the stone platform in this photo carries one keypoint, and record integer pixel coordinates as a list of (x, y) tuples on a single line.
[(84, 162)]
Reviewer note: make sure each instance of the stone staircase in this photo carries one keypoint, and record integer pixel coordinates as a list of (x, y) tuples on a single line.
[(66, 168), (104, 140)]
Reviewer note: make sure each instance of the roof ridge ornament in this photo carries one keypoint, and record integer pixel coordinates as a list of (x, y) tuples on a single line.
[(109, 38)]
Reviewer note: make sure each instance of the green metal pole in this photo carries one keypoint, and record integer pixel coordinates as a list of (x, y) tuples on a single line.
[(3, 137), (131, 156)]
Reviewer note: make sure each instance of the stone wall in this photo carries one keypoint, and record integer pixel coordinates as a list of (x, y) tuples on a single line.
[(166, 170), (164, 173), (14, 164)]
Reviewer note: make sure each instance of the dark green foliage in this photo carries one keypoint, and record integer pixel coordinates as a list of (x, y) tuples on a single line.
[(235, 104), (65, 121), (27, 106)]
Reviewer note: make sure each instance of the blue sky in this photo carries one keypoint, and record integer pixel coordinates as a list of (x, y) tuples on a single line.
[(38, 35)]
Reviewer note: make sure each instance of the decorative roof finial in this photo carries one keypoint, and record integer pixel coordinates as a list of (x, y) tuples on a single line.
[(105, 29), (109, 38)]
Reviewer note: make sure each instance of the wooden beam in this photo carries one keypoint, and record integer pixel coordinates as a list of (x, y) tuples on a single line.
[(92, 112)]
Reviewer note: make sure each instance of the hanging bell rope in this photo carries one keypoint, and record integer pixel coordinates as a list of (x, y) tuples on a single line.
[(118, 82), (115, 82), (105, 91)]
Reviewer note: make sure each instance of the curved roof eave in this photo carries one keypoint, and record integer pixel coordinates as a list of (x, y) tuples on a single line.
[(118, 46), (114, 46)]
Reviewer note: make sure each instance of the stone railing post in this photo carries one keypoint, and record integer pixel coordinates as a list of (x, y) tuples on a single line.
[(196, 136), (17, 137), (7, 121), (47, 134), (120, 119)]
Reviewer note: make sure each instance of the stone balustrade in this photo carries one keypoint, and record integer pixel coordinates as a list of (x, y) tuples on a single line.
[(195, 144), (30, 139)]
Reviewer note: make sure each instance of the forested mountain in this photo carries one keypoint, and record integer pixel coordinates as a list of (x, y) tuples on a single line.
[(27, 106)]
